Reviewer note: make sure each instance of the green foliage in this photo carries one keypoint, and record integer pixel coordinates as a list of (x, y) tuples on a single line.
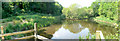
[(71, 12), (95, 6), (111, 36), (106, 21), (74, 12), (0, 10), (42, 20), (105, 11), (88, 36), (109, 10), (62, 17), (8, 37), (19, 8), (37, 12)]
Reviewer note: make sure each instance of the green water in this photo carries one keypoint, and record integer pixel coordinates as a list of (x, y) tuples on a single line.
[(74, 29), (70, 29)]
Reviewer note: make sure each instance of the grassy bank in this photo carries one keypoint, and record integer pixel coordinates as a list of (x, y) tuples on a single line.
[(105, 21), (26, 22)]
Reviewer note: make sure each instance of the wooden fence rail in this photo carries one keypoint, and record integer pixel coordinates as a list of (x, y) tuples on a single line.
[(15, 33), (27, 37), (22, 32)]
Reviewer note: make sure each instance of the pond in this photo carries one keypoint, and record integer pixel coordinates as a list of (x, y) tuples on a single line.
[(70, 29), (74, 29)]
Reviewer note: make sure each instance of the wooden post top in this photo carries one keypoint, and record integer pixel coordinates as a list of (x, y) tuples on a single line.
[(99, 35), (35, 23), (1, 27), (2, 32)]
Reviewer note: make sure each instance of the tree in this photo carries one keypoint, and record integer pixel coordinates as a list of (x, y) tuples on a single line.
[(18, 8)]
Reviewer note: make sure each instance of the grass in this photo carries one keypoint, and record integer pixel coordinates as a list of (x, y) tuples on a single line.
[(111, 36), (32, 18), (88, 36), (26, 22), (105, 21)]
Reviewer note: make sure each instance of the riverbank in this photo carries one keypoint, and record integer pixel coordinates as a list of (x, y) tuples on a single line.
[(26, 22)]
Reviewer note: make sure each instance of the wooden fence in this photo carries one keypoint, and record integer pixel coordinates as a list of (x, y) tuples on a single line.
[(23, 32)]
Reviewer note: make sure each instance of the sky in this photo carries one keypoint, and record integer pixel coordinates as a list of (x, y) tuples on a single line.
[(82, 3)]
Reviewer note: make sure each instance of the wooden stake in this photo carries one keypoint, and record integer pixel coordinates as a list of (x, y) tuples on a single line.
[(97, 35), (15, 33), (27, 37), (35, 29), (2, 32)]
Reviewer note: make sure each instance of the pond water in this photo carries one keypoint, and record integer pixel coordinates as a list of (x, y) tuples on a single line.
[(70, 29), (75, 29)]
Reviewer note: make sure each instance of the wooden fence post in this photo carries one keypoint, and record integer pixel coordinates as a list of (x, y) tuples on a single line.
[(35, 31), (97, 35), (2, 32)]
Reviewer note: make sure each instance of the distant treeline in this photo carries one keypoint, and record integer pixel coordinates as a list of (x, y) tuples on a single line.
[(107, 11), (17, 8)]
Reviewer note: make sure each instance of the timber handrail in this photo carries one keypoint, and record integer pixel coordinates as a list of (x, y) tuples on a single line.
[(15, 33), (23, 32), (27, 37)]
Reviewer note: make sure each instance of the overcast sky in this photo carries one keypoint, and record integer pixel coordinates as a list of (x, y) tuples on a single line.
[(82, 3)]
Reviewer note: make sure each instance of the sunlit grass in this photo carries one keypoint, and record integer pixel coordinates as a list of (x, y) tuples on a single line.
[(110, 36), (105, 21), (26, 22)]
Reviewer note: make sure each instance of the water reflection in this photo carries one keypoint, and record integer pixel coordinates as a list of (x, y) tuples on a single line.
[(63, 33), (75, 29), (53, 28)]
